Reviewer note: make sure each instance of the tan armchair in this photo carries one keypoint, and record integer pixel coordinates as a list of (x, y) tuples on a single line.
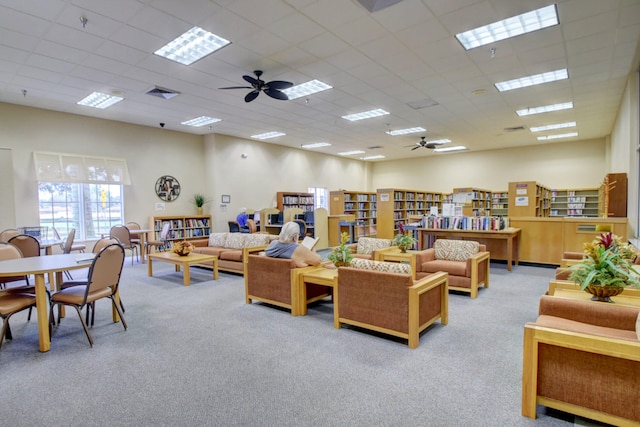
[(392, 303), (467, 263), (275, 281), (583, 357), (366, 247)]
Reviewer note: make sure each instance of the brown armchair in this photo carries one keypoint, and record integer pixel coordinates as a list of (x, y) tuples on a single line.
[(583, 357), (275, 281), (391, 303), (366, 247), (467, 263)]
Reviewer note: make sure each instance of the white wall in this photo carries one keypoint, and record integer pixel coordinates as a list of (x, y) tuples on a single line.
[(578, 164)]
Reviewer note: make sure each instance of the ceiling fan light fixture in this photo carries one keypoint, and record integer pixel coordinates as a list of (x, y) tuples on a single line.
[(305, 89), (405, 131), (191, 46)]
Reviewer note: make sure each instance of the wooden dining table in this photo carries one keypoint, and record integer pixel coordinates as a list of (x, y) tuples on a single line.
[(142, 235), (39, 266)]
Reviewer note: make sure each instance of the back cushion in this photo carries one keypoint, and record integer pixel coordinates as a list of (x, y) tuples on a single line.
[(218, 239), (455, 250), (251, 240), (389, 267), (235, 240), (367, 245)]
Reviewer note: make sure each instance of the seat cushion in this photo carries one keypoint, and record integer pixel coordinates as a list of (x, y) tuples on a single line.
[(231, 255), (367, 245), (455, 250), (208, 250), (454, 268)]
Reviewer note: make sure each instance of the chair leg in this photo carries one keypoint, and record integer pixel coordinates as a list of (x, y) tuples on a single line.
[(5, 330), (84, 325), (68, 274), (113, 301)]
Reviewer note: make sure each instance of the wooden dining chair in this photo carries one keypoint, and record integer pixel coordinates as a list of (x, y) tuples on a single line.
[(13, 301), (5, 235), (123, 235), (102, 282), (80, 247), (163, 242), (9, 251), (133, 226)]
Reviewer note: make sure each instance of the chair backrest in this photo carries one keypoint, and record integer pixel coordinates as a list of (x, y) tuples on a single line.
[(106, 268), (56, 235), (133, 226), (121, 233), (9, 251), (455, 250), (253, 228), (69, 242), (165, 231), (28, 245), (102, 243), (234, 227), (5, 235)]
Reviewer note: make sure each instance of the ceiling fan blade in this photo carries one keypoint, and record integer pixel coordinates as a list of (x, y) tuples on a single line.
[(251, 80), (416, 147), (236, 87), (251, 96), (279, 84), (275, 93)]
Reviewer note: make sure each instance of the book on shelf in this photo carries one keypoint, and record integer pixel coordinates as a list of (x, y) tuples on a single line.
[(310, 242)]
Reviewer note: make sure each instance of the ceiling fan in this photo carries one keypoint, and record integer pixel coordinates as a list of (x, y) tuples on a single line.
[(422, 143), (273, 88)]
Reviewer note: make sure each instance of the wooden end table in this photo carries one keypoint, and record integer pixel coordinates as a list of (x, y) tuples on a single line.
[(184, 262), (319, 276)]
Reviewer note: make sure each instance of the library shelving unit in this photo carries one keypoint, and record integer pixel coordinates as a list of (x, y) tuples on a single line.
[(287, 199), (579, 202), (397, 205), (477, 201), (183, 227), (528, 198), (500, 203), (363, 205)]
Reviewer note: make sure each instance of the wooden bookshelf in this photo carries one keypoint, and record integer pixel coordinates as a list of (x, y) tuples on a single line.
[(362, 205), (500, 203), (287, 200), (528, 198), (583, 202), (477, 202), (397, 205), (182, 227)]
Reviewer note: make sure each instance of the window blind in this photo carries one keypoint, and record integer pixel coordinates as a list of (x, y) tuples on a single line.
[(61, 167)]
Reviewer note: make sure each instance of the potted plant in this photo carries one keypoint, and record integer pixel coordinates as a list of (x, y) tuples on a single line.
[(404, 239), (341, 256), (606, 269), (200, 200)]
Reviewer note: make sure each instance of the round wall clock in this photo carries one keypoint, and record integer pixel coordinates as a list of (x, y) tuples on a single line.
[(167, 188)]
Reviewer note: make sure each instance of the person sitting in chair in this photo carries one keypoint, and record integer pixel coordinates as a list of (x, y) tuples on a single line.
[(241, 219), (287, 247)]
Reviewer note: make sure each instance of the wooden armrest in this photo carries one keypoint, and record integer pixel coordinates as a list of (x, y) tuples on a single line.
[(431, 281)]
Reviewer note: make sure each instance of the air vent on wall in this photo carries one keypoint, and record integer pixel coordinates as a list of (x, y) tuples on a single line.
[(162, 92), (514, 129)]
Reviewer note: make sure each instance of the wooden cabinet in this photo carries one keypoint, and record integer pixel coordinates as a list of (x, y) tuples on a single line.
[(614, 195), (575, 203), (528, 199), (287, 200), (474, 201), (500, 203), (182, 227), (360, 204), (396, 205)]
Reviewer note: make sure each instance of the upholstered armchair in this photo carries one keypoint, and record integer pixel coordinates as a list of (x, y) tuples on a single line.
[(466, 261), (366, 247), (275, 281), (583, 357), (383, 297)]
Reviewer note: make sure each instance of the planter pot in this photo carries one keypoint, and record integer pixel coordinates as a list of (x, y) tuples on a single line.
[(603, 293), (199, 211), (342, 264)]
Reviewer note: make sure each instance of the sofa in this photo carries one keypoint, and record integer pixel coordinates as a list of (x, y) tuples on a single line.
[(466, 261), (366, 247), (276, 281), (583, 357), (383, 297), (230, 249)]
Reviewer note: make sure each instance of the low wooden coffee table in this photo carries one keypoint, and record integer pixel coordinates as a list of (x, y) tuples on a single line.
[(184, 261)]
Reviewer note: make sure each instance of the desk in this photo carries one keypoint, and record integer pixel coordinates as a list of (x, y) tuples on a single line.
[(39, 266), (511, 236), (184, 261), (319, 276), (142, 235)]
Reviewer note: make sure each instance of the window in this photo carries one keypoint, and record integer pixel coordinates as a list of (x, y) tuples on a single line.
[(92, 209), (321, 197)]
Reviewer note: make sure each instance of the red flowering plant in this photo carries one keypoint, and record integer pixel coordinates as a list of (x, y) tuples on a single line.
[(404, 239), (608, 261)]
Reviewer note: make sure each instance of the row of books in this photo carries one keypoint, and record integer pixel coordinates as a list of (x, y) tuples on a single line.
[(483, 223), (361, 206), (361, 197), (420, 197)]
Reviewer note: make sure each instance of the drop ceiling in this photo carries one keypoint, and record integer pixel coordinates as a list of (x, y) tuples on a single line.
[(404, 59)]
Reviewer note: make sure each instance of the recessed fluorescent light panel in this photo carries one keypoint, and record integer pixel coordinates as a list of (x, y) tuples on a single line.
[(304, 89), (536, 79), (365, 115), (510, 27), (100, 100), (379, 156), (350, 153), (558, 136), (201, 121), (405, 131), (552, 127), (268, 135), (192, 46), (316, 145), (445, 149), (544, 109)]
